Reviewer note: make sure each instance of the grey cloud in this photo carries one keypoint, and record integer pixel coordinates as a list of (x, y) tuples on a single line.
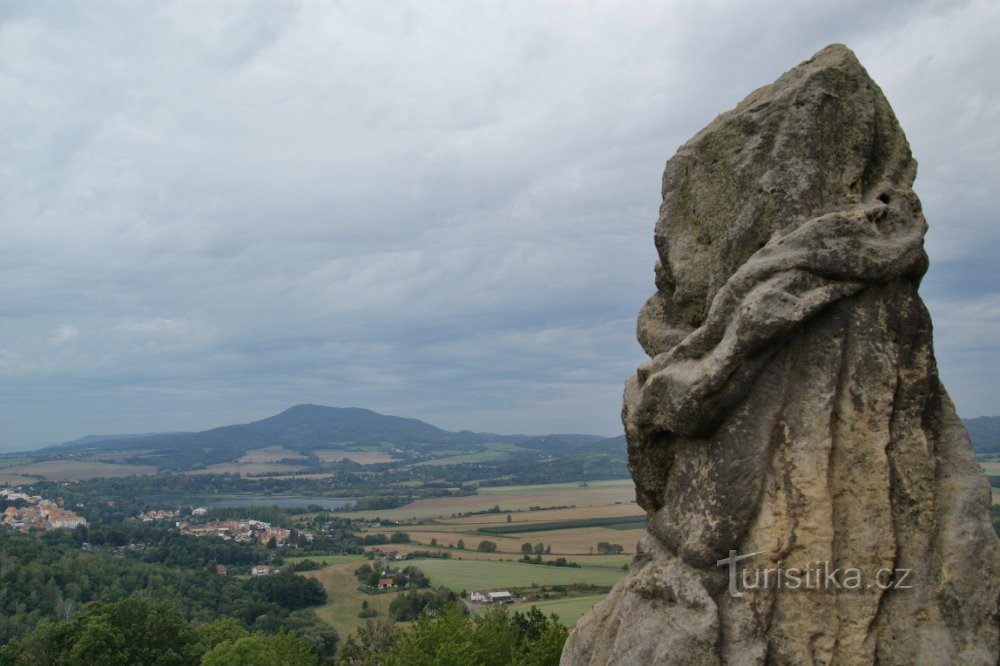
[(436, 210)]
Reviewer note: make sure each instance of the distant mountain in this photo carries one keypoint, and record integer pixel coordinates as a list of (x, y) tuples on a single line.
[(984, 433), (306, 429)]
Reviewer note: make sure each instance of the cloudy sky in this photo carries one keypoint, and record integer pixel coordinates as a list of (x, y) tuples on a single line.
[(211, 211)]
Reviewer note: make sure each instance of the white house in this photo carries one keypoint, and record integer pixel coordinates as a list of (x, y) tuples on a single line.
[(477, 596)]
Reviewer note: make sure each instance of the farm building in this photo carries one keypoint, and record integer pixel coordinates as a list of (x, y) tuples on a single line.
[(383, 583), (261, 570)]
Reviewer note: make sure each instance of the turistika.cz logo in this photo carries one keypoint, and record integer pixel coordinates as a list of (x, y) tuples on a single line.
[(815, 576)]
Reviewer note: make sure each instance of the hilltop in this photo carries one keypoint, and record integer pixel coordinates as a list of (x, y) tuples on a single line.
[(307, 436)]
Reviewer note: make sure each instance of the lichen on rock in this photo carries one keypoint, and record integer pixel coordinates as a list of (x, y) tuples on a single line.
[(792, 407)]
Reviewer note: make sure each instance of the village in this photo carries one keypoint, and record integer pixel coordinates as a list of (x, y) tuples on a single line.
[(26, 513), (241, 531)]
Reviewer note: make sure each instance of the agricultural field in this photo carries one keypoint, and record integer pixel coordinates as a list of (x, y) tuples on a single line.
[(488, 520), (344, 598), (248, 469), (495, 451), (327, 559), (73, 470), (14, 461), (360, 457), (492, 574), (16, 480), (571, 542), (574, 542), (512, 498), (569, 610), (270, 454)]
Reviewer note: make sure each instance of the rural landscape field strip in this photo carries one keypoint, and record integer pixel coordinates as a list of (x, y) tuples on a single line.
[(76, 470), (624, 522), (569, 610), (490, 574)]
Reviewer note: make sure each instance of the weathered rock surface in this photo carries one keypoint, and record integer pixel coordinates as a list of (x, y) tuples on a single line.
[(792, 407)]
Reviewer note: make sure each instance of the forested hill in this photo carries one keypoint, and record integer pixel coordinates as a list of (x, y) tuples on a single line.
[(309, 428), (984, 433)]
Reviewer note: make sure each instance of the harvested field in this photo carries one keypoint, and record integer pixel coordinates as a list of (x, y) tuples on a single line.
[(598, 493), (580, 541), (75, 470), (15, 480), (547, 515), (249, 469)]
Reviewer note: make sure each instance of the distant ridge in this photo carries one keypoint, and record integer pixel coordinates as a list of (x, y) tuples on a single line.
[(94, 439), (305, 429), (984, 432)]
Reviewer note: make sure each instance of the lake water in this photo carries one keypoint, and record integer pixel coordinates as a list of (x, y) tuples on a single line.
[(225, 501)]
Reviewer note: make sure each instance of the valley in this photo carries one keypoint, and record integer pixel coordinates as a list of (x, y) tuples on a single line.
[(552, 520)]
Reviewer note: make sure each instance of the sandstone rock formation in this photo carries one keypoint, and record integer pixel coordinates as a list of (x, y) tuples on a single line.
[(792, 408)]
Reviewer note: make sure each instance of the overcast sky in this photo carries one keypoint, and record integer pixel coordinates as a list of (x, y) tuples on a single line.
[(212, 211)]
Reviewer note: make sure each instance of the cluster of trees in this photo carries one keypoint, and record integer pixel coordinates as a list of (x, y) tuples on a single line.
[(161, 543), (368, 577), (558, 562), (538, 549), (486, 546), (414, 603), (605, 548), (137, 630), (288, 590), (50, 578), (380, 538), (450, 636)]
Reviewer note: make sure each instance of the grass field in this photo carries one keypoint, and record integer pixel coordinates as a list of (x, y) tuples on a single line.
[(992, 468), (75, 470), (249, 469), (569, 610), (14, 462), (464, 458), (344, 598), (327, 559), (494, 451), (360, 457), (270, 454), (491, 574)]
